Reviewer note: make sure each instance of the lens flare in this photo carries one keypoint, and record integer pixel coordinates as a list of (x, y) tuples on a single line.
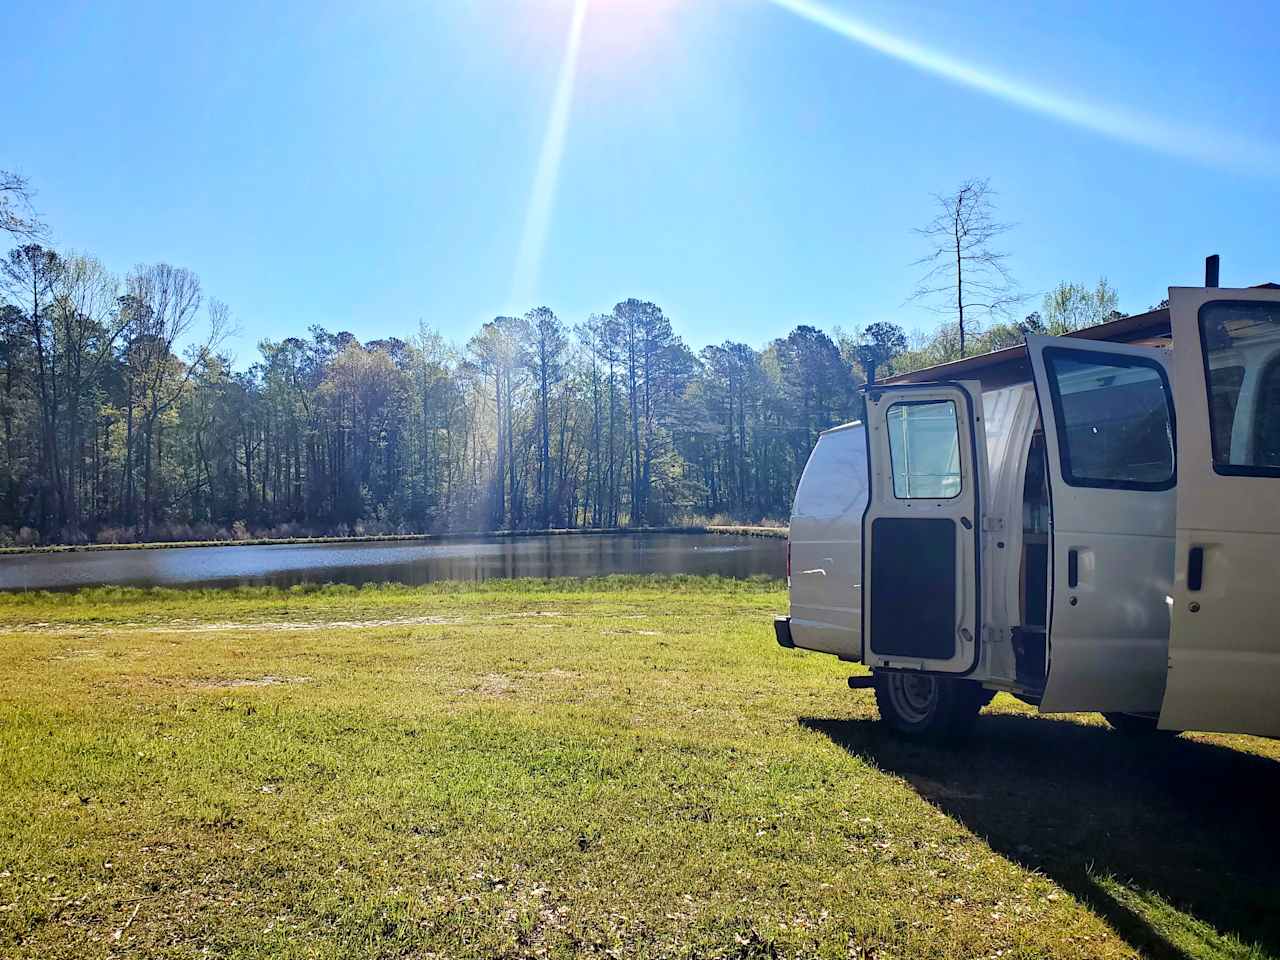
[(1211, 147), (537, 220), (1202, 145)]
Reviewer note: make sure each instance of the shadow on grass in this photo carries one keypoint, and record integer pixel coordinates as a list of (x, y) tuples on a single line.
[(1111, 819)]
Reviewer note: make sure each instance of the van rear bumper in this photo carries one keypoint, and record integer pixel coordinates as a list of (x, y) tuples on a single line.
[(782, 630)]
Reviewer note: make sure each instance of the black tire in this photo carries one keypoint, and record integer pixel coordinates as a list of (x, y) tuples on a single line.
[(928, 707), (1137, 725)]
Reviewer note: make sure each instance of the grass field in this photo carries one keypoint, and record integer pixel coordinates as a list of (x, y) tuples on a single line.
[(626, 768)]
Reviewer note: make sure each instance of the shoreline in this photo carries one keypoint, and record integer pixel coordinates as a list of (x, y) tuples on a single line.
[(722, 529)]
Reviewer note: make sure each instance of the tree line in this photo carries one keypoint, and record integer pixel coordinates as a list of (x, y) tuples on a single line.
[(123, 418), (113, 429)]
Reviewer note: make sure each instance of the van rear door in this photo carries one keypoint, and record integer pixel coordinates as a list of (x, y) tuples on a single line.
[(1224, 651), (921, 531), (1107, 411)]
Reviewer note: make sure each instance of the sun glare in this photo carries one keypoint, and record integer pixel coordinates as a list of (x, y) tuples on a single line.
[(605, 35), (615, 31), (1213, 147), (537, 221)]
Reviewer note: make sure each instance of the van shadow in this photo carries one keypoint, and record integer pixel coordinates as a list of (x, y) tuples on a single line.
[(1192, 822)]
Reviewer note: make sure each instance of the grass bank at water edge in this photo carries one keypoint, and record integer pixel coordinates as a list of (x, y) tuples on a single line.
[(725, 529)]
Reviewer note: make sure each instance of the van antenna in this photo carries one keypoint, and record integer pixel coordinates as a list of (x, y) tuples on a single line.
[(1211, 264)]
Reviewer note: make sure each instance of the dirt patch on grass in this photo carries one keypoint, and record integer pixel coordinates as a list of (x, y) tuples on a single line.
[(235, 682), (555, 673), (502, 685), (197, 627), (493, 685)]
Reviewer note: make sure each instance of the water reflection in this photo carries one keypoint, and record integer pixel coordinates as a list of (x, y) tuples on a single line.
[(586, 555)]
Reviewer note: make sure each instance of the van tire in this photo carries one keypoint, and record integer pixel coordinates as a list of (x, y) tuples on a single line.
[(1137, 725), (927, 706)]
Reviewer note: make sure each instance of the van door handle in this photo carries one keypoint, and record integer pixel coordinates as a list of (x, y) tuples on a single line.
[(1195, 569), (1073, 568)]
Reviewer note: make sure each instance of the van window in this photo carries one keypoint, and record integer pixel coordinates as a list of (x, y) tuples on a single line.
[(1241, 343), (924, 449), (1115, 420), (1224, 395)]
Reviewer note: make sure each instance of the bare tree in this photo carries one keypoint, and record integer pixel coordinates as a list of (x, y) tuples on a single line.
[(17, 215), (966, 278), (161, 307)]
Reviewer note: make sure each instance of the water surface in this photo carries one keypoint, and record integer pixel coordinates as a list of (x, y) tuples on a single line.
[(585, 555)]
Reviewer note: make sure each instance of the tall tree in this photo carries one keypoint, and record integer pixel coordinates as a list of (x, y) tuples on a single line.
[(817, 387), (499, 350), (732, 383), (966, 278), (14, 413), (879, 344), (29, 275), (652, 358), (598, 337), (162, 308), (545, 360), (87, 326)]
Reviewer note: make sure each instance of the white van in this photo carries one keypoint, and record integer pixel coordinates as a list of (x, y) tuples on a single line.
[(1089, 525)]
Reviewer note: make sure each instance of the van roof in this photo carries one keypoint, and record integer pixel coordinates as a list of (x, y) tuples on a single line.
[(1001, 368), (844, 426)]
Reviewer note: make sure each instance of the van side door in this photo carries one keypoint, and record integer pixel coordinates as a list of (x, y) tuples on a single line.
[(1224, 651), (1107, 412), (926, 452)]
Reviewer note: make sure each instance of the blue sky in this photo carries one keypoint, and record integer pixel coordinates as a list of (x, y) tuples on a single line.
[(366, 166)]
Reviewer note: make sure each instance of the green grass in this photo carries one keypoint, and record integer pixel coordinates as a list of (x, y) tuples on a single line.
[(623, 768)]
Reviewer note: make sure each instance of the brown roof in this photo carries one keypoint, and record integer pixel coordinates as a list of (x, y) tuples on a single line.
[(1003, 367)]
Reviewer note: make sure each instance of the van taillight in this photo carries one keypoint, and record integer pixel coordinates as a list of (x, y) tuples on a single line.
[(788, 559)]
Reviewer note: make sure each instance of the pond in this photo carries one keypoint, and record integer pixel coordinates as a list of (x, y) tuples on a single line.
[(577, 555)]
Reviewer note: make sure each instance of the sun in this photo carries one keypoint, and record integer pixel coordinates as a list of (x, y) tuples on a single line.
[(598, 36), (616, 27)]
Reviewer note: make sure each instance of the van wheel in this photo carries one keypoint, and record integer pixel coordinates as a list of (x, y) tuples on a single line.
[(921, 705), (1137, 725)]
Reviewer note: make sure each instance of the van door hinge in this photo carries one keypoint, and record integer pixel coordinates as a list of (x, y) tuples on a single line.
[(993, 524)]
